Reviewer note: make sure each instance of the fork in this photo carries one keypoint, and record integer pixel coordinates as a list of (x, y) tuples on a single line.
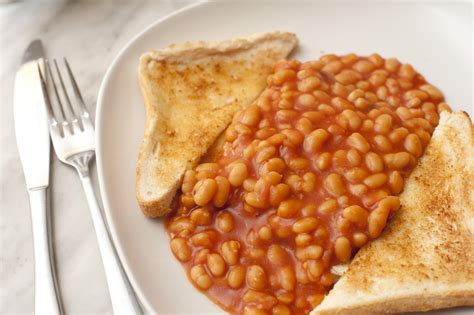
[(72, 133)]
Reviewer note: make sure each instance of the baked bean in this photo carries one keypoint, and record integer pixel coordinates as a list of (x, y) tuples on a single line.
[(341, 104), (356, 175), (314, 269), (371, 198), (334, 185), (395, 182), (353, 157), (277, 255), (252, 310), (205, 239), (413, 144), (357, 141), (204, 191), (225, 221), (398, 134), (265, 154), (361, 103), (253, 200), (265, 233), (281, 309), (187, 201), (397, 160), (294, 137), (200, 277), (433, 92), (276, 139), (392, 64), (266, 301), (256, 277), (278, 193), (238, 174), (373, 162), (363, 66), (251, 116), (358, 189), (181, 249), (305, 225), (328, 206), (348, 77), (342, 248), (377, 221), (230, 251), (289, 208), (315, 299), (444, 107), (249, 184), (303, 239), (222, 193), (216, 264), (201, 256), (265, 133), (305, 101), (201, 216), (236, 276), (304, 125), (298, 164), (406, 71), (377, 79), (314, 116), (309, 252), (326, 109), (181, 224), (282, 76), (383, 124), (287, 278), (327, 279), (295, 183), (189, 180), (323, 161), (356, 214), (309, 182), (376, 180), (359, 239), (333, 67), (382, 143)]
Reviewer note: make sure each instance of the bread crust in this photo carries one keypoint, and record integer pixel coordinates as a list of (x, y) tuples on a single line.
[(424, 260), (191, 92)]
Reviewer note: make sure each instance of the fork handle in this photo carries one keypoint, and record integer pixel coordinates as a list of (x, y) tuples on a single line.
[(121, 294), (46, 294)]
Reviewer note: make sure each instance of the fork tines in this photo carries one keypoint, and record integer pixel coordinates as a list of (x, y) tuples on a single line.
[(67, 113)]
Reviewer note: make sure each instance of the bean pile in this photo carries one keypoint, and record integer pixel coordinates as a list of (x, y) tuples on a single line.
[(310, 172)]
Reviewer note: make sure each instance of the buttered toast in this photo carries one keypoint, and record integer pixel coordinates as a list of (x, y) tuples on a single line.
[(191, 92), (425, 258)]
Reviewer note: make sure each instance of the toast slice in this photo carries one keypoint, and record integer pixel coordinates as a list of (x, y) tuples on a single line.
[(191, 92), (424, 260)]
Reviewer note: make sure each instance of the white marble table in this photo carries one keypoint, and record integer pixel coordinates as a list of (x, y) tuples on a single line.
[(90, 33)]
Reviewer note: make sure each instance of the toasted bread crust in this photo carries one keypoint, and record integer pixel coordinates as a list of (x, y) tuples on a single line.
[(424, 260), (191, 92)]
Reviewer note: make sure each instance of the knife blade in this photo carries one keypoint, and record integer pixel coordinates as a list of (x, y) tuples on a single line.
[(31, 123), (33, 141)]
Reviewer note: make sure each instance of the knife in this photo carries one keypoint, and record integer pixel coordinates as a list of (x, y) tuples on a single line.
[(33, 141)]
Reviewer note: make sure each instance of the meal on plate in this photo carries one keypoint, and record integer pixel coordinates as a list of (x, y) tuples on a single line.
[(275, 173)]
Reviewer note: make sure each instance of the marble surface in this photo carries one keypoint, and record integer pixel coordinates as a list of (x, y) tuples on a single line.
[(90, 33)]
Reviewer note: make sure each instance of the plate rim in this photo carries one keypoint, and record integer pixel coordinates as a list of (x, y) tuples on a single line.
[(139, 294)]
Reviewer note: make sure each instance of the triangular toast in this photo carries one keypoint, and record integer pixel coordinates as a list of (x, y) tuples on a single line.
[(191, 93), (424, 260)]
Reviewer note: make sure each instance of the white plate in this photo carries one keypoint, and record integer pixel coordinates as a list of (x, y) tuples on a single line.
[(434, 38)]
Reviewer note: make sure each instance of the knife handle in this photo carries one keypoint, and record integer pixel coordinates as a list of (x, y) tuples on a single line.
[(121, 294), (46, 294)]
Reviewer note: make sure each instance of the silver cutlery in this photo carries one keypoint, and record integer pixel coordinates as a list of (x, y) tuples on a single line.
[(72, 133), (32, 136)]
